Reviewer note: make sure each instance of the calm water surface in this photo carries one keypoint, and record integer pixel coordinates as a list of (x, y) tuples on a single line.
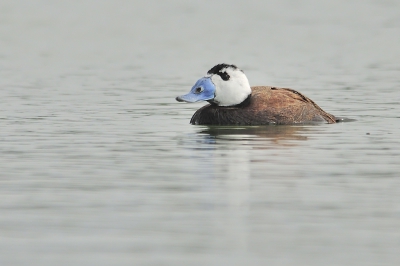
[(99, 165)]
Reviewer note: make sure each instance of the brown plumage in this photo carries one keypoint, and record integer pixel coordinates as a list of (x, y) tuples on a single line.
[(266, 105)]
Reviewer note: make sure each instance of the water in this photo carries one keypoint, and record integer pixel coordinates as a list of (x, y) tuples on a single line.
[(99, 165)]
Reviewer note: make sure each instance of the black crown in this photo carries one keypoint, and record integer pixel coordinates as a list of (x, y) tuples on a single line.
[(218, 70)]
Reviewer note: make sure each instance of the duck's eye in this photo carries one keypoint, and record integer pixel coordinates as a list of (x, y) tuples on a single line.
[(198, 90)]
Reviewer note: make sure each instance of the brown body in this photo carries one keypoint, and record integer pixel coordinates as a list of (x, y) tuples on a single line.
[(266, 105)]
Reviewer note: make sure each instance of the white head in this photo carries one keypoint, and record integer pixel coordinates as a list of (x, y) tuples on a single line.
[(224, 85)]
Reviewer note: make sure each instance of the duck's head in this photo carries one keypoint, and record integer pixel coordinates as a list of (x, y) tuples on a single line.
[(224, 85)]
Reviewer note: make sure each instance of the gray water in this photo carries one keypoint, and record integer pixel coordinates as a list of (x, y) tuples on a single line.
[(100, 166)]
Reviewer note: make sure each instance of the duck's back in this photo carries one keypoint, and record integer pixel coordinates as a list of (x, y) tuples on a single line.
[(267, 105)]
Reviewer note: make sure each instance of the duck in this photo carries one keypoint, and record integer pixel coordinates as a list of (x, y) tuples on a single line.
[(232, 101)]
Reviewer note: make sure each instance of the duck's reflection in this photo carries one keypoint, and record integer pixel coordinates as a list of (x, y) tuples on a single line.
[(280, 135), (226, 159)]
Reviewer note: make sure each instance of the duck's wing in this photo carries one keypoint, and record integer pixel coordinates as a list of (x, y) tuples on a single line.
[(288, 106)]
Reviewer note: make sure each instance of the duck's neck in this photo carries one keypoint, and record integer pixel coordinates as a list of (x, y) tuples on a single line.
[(245, 103)]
